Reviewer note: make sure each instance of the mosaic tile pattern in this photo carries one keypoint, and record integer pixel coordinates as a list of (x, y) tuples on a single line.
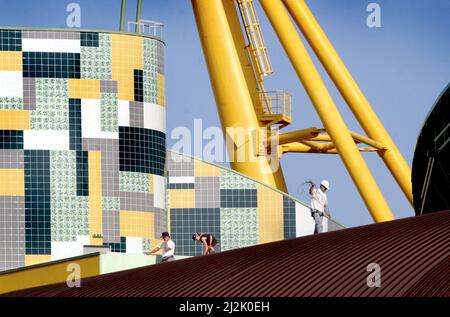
[(238, 227), (109, 112), (77, 157), (96, 62), (239, 211), (51, 102)]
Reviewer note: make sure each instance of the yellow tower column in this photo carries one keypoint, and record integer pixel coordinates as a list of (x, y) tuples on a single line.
[(233, 99), (328, 113), (351, 93)]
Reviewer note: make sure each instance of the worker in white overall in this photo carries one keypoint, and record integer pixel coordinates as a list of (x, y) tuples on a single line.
[(319, 204)]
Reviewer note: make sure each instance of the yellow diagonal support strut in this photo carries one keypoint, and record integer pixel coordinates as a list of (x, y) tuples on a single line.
[(351, 93), (231, 90), (327, 110)]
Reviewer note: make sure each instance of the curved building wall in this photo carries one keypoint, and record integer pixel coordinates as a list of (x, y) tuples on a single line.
[(431, 162), (82, 144), (238, 210)]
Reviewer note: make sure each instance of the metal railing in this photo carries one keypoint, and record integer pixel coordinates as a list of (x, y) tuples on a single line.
[(147, 27), (277, 102)]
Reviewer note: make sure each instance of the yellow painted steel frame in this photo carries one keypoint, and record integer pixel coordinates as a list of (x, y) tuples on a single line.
[(328, 113), (351, 92), (222, 41)]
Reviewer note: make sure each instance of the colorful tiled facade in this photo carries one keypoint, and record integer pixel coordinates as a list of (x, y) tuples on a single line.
[(82, 143), (239, 211)]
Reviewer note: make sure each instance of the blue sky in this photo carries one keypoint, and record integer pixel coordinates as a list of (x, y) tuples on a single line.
[(401, 67)]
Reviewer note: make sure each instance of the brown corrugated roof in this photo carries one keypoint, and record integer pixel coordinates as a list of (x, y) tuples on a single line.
[(413, 254)]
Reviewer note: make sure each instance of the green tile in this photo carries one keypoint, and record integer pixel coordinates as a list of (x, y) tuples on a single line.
[(69, 212), (238, 227), (109, 112), (96, 62), (230, 180), (52, 110), (11, 103), (134, 182)]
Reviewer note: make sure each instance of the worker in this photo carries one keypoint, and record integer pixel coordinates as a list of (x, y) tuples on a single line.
[(167, 247), (319, 204), (208, 240)]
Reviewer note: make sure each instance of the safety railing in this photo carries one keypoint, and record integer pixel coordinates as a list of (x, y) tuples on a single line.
[(276, 102), (147, 27)]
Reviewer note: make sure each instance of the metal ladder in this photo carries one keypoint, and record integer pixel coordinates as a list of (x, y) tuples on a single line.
[(256, 45)]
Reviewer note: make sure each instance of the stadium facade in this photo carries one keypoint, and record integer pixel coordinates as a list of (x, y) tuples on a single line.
[(83, 163)]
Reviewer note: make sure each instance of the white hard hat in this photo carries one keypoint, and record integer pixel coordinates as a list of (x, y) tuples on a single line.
[(325, 184)]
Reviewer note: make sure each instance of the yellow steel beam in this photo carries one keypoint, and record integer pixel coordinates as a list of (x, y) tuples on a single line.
[(368, 141), (293, 136), (319, 146), (351, 93), (298, 147), (321, 137), (328, 113), (245, 59), (230, 86)]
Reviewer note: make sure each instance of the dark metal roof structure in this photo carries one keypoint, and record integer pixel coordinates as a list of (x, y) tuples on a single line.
[(413, 255), (431, 163)]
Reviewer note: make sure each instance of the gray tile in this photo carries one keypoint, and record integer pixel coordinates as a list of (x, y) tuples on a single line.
[(29, 94), (55, 35), (11, 159), (160, 224), (12, 232), (160, 49), (136, 201), (136, 114), (92, 144), (110, 173), (179, 165), (108, 86), (207, 192), (111, 226)]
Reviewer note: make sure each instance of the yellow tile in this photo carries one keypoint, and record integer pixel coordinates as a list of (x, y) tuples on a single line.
[(168, 219), (137, 224), (84, 88), (152, 186), (31, 259), (14, 120), (182, 198), (205, 169), (127, 55), (12, 182), (11, 61), (270, 215), (95, 196), (161, 93)]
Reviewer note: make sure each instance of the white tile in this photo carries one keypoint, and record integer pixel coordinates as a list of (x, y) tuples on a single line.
[(134, 245), (181, 180), (63, 250), (154, 117), (91, 121), (304, 222), (159, 191), (46, 140), (11, 84), (124, 113), (51, 45), (84, 240)]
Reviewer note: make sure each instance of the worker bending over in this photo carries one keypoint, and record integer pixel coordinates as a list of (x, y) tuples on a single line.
[(319, 204), (208, 240)]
